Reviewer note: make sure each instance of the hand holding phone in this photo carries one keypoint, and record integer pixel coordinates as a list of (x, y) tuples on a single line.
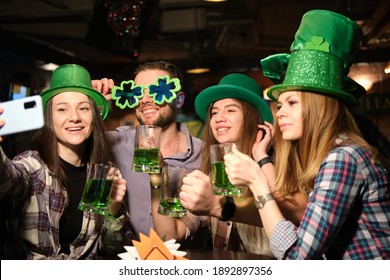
[(22, 115)]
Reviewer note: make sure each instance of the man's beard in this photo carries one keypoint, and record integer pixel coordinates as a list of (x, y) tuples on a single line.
[(161, 121)]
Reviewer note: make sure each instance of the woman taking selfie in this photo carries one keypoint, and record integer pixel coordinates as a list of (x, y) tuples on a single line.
[(46, 183)]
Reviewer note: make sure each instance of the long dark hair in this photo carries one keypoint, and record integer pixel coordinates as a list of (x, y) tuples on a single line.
[(252, 238), (45, 141), (246, 140)]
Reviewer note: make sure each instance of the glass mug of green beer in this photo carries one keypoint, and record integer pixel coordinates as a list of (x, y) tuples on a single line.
[(147, 149), (97, 190), (171, 182), (221, 183)]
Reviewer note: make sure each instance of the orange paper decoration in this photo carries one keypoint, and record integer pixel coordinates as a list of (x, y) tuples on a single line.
[(153, 248)]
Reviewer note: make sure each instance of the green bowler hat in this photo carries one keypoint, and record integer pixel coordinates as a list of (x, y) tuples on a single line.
[(237, 86), (73, 77), (323, 50)]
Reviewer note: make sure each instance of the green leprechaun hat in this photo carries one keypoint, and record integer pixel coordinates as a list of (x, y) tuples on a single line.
[(73, 77), (323, 50), (235, 85)]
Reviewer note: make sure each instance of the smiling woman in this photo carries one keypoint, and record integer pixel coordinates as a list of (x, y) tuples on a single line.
[(233, 112), (227, 119), (47, 182), (72, 119)]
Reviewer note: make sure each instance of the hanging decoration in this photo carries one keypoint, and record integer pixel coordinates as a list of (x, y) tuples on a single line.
[(124, 16)]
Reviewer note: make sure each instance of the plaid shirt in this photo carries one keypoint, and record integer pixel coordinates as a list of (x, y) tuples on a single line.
[(348, 214), (43, 202)]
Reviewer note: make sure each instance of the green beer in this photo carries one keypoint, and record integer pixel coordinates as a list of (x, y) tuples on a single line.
[(96, 196), (171, 207), (146, 160), (222, 185)]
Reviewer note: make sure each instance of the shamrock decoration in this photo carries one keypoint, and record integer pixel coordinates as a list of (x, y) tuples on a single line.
[(128, 94), (317, 43), (164, 90)]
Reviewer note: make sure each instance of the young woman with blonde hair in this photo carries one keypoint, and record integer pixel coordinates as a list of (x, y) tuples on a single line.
[(321, 153)]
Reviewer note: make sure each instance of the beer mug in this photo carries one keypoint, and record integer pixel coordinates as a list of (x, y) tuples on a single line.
[(147, 149), (221, 183), (97, 190), (171, 182)]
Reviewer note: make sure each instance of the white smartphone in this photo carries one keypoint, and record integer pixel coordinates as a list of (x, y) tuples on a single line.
[(22, 115)]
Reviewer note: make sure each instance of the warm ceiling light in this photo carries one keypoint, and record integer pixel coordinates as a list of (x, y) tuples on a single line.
[(198, 70), (387, 68), (365, 82), (49, 66), (200, 66), (214, 0)]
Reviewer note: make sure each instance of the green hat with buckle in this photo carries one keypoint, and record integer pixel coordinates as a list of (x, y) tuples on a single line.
[(323, 50), (73, 77), (234, 85)]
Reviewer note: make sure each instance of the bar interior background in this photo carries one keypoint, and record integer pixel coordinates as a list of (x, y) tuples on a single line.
[(110, 37)]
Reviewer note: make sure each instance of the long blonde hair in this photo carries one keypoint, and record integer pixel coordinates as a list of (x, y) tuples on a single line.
[(297, 162)]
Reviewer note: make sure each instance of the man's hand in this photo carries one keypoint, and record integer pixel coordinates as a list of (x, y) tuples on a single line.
[(104, 86), (197, 195)]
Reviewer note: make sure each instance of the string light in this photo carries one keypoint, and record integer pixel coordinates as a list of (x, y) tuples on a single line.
[(124, 17)]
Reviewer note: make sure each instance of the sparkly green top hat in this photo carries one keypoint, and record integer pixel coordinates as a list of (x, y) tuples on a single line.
[(323, 50), (73, 77), (234, 85)]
